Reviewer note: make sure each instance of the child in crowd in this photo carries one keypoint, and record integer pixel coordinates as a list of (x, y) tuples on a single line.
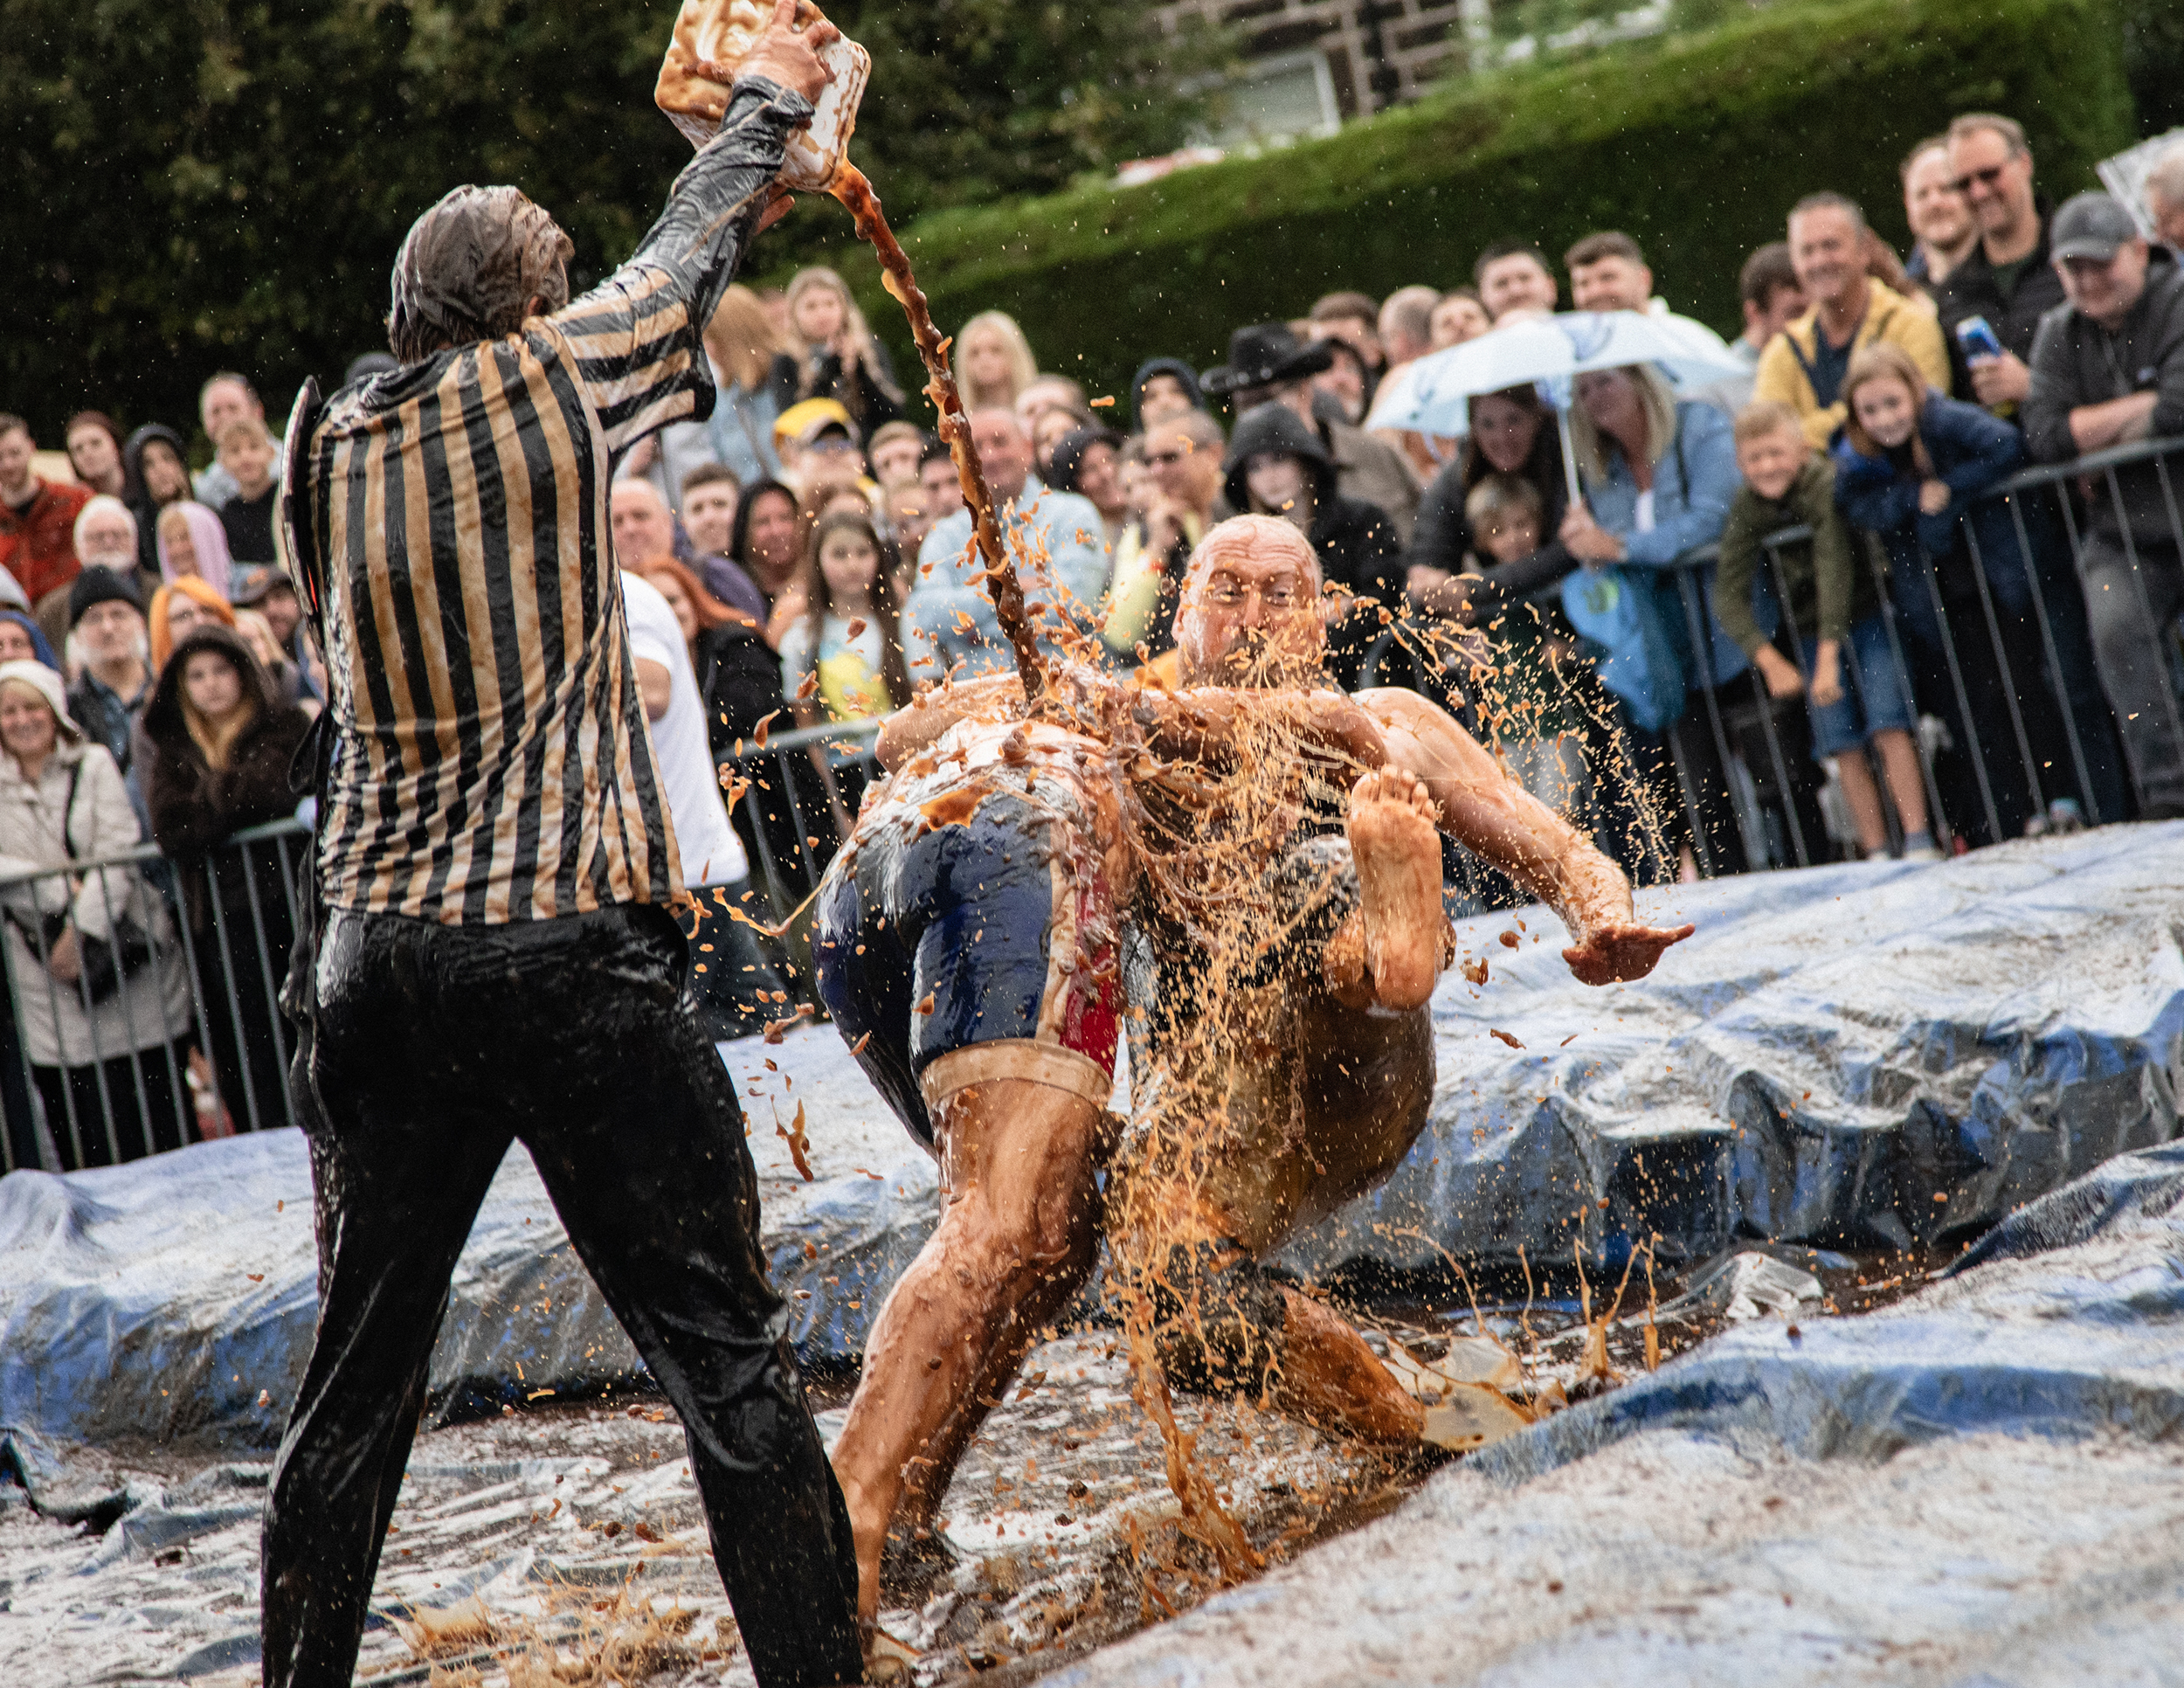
[(246, 453), (847, 645), (1835, 611), (1513, 663), (1912, 466)]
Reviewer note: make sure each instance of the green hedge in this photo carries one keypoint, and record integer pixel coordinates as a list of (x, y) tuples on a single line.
[(1695, 145)]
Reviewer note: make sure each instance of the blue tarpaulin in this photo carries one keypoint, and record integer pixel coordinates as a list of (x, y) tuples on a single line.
[(1834, 1051)]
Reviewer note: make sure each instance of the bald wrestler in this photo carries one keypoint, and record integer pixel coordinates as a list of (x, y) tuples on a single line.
[(968, 948)]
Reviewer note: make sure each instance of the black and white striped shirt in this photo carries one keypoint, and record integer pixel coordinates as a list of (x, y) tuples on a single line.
[(491, 761)]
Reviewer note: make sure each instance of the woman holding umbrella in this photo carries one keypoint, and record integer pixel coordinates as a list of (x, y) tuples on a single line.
[(1659, 475)]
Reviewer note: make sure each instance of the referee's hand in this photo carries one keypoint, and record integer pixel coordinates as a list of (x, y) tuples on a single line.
[(789, 56)]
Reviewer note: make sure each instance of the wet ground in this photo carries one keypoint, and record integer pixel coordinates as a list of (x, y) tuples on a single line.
[(563, 1543)]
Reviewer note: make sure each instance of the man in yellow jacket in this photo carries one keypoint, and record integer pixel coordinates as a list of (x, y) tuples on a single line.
[(1803, 366)]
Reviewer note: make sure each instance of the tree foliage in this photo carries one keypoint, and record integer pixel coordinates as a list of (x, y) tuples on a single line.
[(194, 185)]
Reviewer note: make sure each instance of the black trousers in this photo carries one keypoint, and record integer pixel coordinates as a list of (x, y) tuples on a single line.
[(145, 1095), (428, 1048)]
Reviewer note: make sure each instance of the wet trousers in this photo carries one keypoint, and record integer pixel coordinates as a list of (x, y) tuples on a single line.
[(425, 1050)]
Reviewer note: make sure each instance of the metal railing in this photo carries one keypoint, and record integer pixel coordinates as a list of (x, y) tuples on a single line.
[(193, 1042), (2015, 728), (2012, 718), (803, 786), (91, 1077)]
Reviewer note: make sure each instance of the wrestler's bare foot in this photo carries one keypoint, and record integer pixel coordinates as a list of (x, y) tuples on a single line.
[(1397, 850)]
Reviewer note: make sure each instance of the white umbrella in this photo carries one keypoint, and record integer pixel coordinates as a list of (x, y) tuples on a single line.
[(1435, 397)]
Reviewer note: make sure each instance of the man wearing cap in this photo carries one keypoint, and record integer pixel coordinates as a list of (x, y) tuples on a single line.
[(1057, 539), (2006, 278), (1269, 363), (2107, 368), (817, 440), (106, 618), (496, 879)]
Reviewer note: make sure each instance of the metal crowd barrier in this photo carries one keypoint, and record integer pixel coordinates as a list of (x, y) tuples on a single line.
[(800, 798), (200, 999), (207, 999), (800, 791), (1989, 694)]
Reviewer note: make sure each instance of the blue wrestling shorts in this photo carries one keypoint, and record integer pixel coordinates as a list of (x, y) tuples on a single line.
[(967, 934)]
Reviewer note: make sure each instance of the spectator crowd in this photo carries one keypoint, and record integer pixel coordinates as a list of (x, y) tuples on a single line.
[(1804, 607)]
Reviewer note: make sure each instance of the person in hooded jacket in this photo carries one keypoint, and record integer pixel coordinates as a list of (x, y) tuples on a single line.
[(1162, 389), (155, 464), (21, 641), (215, 758), (108, 1065), (1278, 466)]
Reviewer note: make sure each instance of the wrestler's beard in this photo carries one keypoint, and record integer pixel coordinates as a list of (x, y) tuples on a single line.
[(1255, 661)]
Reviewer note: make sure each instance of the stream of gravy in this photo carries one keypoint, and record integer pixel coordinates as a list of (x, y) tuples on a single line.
[(854, 191)]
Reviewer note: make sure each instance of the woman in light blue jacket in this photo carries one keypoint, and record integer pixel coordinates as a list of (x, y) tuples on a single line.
[(1659, 476)]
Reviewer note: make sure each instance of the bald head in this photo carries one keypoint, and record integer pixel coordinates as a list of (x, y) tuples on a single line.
[(643, 530), (1004, 451), (1250, 614)]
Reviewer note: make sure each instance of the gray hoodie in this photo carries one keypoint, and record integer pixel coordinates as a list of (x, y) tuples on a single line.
[(2076, 362)]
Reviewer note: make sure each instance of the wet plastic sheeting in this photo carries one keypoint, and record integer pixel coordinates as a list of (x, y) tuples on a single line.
[(1861, 1057), (1978, 1484), (1834, 1050), (175, 1298)]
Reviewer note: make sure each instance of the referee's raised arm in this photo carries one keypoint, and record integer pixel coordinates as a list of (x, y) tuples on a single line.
[(673, 283)]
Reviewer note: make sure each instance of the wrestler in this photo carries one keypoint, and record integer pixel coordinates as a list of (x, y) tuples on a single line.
[(968, 947), (494, 955)]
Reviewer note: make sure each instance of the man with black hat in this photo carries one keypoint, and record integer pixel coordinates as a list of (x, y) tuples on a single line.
[(495, 958), (1277, 465), (106, 618), (1269, 363), (2107, 368)]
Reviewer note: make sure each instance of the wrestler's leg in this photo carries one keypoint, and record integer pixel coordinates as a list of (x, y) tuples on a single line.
[(1222, 1326), (1016, 1238), (1391, 950)]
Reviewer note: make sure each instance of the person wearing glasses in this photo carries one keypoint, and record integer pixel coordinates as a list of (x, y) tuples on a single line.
[(2006, 279), (1184, 458)]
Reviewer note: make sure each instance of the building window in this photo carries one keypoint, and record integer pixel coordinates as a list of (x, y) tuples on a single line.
[(1277, 99)]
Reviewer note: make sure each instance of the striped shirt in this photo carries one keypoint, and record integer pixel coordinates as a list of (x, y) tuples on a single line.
[(491, 760)]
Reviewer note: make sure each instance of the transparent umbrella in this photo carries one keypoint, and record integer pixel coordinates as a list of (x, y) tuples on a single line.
[(1434, 393)]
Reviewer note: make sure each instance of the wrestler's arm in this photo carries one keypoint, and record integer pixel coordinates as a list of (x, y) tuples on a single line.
[(1200, 724), (1496, 819), (636, 334), (919, 723)]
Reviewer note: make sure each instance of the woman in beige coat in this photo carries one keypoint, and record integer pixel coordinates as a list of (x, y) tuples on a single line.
[(108, 1061)]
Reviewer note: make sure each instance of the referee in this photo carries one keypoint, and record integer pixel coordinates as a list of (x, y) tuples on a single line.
[(494, 956)]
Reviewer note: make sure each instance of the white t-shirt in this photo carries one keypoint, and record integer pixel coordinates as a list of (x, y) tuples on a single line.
[(711, 853)]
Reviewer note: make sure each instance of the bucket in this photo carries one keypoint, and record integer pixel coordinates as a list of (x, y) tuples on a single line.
[(711, 39)]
